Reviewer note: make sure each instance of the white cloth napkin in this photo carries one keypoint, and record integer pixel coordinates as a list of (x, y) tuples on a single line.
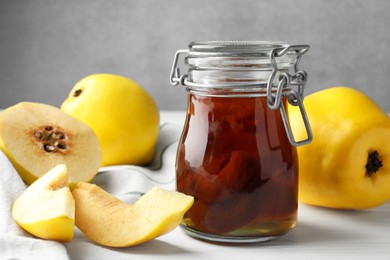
[(127, 182), (14, 242)]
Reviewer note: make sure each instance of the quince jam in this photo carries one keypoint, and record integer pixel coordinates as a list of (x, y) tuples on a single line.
[(234, 157)]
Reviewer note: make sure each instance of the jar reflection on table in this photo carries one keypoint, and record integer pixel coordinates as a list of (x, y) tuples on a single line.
[(234, 157)]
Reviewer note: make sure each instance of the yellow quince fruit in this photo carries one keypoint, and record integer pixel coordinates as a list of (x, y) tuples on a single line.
[(123, 115), (347, 165)]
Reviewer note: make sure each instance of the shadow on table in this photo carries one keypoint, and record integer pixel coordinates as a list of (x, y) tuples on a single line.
[(324, 226), (156, 247), (85, 249)]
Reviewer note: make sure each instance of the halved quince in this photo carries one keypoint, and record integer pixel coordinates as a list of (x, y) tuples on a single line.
[(46, 209), (36, 137), (108, 221)]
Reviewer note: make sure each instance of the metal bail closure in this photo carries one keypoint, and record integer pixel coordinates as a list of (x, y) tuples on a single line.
[(298, 79), (294, 98), (175, 77)]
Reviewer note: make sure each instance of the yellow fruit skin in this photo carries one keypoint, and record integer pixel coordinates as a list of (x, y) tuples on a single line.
[(123, 115), (60, 229), (46, 208), (24, 174), (347, 126)]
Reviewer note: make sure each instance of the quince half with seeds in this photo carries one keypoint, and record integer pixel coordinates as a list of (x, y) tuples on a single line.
[(37, 137)]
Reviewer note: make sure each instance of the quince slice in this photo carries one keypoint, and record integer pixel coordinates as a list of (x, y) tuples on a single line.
[(108, 221), (46, 209)]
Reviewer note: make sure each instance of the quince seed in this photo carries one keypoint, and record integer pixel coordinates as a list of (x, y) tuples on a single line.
[(49, 148), (62, 146), (59, 135)]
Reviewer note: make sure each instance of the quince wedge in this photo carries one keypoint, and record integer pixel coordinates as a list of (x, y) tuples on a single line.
[(108, 221), (347, 165), (46, 209)]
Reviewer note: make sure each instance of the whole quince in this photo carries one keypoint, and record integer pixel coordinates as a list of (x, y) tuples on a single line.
[(347, 165), (123, 115)]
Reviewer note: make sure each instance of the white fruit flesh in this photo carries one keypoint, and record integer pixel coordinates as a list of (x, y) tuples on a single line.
[(46, 208)]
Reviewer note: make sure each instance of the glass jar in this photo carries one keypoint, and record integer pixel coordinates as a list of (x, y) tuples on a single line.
[(237, 154)]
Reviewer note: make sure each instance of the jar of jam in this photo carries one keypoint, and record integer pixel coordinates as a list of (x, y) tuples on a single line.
[(237, 154)]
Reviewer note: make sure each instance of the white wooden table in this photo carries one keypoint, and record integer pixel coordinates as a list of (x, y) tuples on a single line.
[(320, 234)]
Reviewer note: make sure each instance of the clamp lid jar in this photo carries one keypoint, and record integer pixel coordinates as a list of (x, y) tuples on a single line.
[(237, 154)]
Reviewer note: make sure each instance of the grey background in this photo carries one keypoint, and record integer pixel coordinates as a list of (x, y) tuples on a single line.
[(47, 46)]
